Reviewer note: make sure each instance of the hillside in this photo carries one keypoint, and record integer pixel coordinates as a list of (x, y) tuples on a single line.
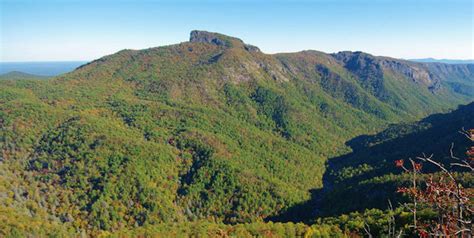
[(207, 130), (367, 178), (370, 167)]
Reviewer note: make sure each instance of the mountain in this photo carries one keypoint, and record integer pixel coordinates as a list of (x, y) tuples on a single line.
[(17, 75), (444, 61), (208, 130)]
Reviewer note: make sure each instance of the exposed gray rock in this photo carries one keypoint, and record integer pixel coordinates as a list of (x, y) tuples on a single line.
[(251, 48), (220, 40), (375, 66), (208, 37)]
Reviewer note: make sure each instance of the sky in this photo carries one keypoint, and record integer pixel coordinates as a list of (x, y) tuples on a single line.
[(83, 30)]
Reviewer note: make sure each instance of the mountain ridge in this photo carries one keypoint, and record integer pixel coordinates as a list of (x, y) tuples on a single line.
[(272, 66), (15, 75), (446, 61)]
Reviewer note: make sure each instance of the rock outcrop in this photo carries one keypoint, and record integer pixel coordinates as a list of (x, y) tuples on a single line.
[(220, 40)]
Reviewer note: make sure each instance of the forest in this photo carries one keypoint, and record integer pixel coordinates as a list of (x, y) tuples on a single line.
[(213, 138)]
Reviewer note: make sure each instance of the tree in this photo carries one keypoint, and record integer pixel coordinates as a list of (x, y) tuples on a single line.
[(443, 193)]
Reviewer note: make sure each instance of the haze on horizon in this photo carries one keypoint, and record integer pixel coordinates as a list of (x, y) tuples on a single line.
[(74, 30)]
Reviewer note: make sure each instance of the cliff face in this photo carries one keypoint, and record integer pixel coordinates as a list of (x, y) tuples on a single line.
[(451, 71), (211, 38), (369, 67), (433, 75), (219, 40)]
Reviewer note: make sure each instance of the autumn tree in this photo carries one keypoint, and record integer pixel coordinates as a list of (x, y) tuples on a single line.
[(442, 192)]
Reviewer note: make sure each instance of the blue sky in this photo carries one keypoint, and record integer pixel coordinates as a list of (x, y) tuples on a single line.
[(53, 30)]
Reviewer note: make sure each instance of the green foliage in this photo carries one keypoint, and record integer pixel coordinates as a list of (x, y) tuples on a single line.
[(260, 229), (275, 107), (367, 177), (194, 132)]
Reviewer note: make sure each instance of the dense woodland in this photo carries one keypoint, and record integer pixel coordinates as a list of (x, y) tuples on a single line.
[(212, 137)]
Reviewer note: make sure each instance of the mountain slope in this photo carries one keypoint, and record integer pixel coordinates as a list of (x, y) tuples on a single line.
[(370, 167), (210, 129)]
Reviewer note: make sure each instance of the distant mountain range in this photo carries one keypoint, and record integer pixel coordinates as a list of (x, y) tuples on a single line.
[(16, 75), (47, 68), (445, 61)]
